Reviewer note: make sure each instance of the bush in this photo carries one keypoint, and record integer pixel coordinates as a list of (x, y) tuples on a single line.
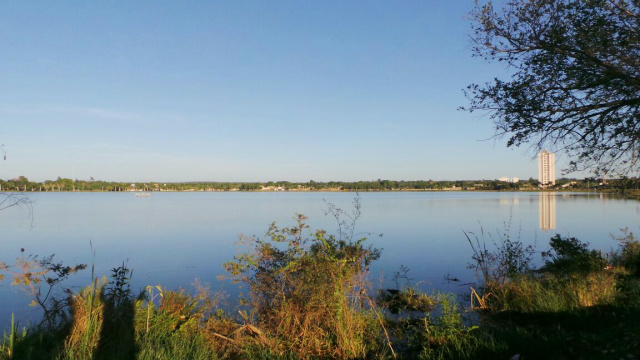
[(571, 256), (508, 259), (628, 255), (307, 292), (573, 276)]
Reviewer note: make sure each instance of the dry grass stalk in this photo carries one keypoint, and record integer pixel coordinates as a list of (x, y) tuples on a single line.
[(482, 300), (384, 328), (88, 315)]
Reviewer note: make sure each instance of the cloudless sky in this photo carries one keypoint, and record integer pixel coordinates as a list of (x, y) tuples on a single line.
[(245, 91)]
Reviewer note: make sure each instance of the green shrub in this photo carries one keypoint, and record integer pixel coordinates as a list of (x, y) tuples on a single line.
[(570, 256), (572, 276), (628, 254), (307, 291), (508, 258), (447, 334)]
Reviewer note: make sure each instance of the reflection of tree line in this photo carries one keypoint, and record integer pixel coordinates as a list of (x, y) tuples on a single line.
[(547, 211)]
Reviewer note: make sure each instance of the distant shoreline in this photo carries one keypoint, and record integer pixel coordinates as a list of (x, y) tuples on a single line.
[(22, 184), (310, 191)]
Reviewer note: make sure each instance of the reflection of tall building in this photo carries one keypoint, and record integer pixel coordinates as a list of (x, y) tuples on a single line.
[(547, 211), (509, 201), (546, 169)]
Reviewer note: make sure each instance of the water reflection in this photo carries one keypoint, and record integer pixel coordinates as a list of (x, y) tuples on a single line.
[(547, 211), (509, 201), (171, 238)]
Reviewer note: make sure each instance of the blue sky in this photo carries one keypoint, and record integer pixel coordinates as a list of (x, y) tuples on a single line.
[(245, 91)]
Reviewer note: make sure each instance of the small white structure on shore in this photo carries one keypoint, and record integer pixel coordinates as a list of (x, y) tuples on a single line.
[(509, 180)]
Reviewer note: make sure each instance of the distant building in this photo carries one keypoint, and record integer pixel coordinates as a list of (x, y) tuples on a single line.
[(509, 180), (546, 169)]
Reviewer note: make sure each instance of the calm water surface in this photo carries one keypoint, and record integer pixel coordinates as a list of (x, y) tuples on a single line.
[(173, 238)]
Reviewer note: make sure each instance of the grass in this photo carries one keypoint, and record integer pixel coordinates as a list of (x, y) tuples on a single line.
[(598, 332), (547, 293), (580, 305), (309, 298)]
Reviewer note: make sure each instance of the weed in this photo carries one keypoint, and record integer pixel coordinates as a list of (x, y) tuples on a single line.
[(118, 289), (40, 278), (508, 259), (446, 332), (405, 297)]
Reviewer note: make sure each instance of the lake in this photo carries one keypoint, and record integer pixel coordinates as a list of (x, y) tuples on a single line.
[(173, 238)]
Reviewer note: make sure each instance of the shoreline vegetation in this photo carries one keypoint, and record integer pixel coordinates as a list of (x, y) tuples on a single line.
[(308, 295), (22, 184)]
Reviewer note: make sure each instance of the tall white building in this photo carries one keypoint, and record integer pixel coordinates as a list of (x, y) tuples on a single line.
[(546, 169)]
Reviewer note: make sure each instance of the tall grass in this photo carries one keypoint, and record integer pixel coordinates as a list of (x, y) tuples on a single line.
[(309, 297), (549, 293), (572, 277), (87, 314), (7, 347)]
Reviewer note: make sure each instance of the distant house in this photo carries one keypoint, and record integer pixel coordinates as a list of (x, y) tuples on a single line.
[(509, 180)]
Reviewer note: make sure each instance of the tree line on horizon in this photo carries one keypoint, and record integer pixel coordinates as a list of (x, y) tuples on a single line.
[(23, 184)]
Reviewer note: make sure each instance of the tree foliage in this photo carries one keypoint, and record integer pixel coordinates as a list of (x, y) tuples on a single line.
[(574, 86)]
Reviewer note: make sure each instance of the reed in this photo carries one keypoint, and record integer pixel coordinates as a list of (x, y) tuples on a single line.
[(9, 340), (87, 311)]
